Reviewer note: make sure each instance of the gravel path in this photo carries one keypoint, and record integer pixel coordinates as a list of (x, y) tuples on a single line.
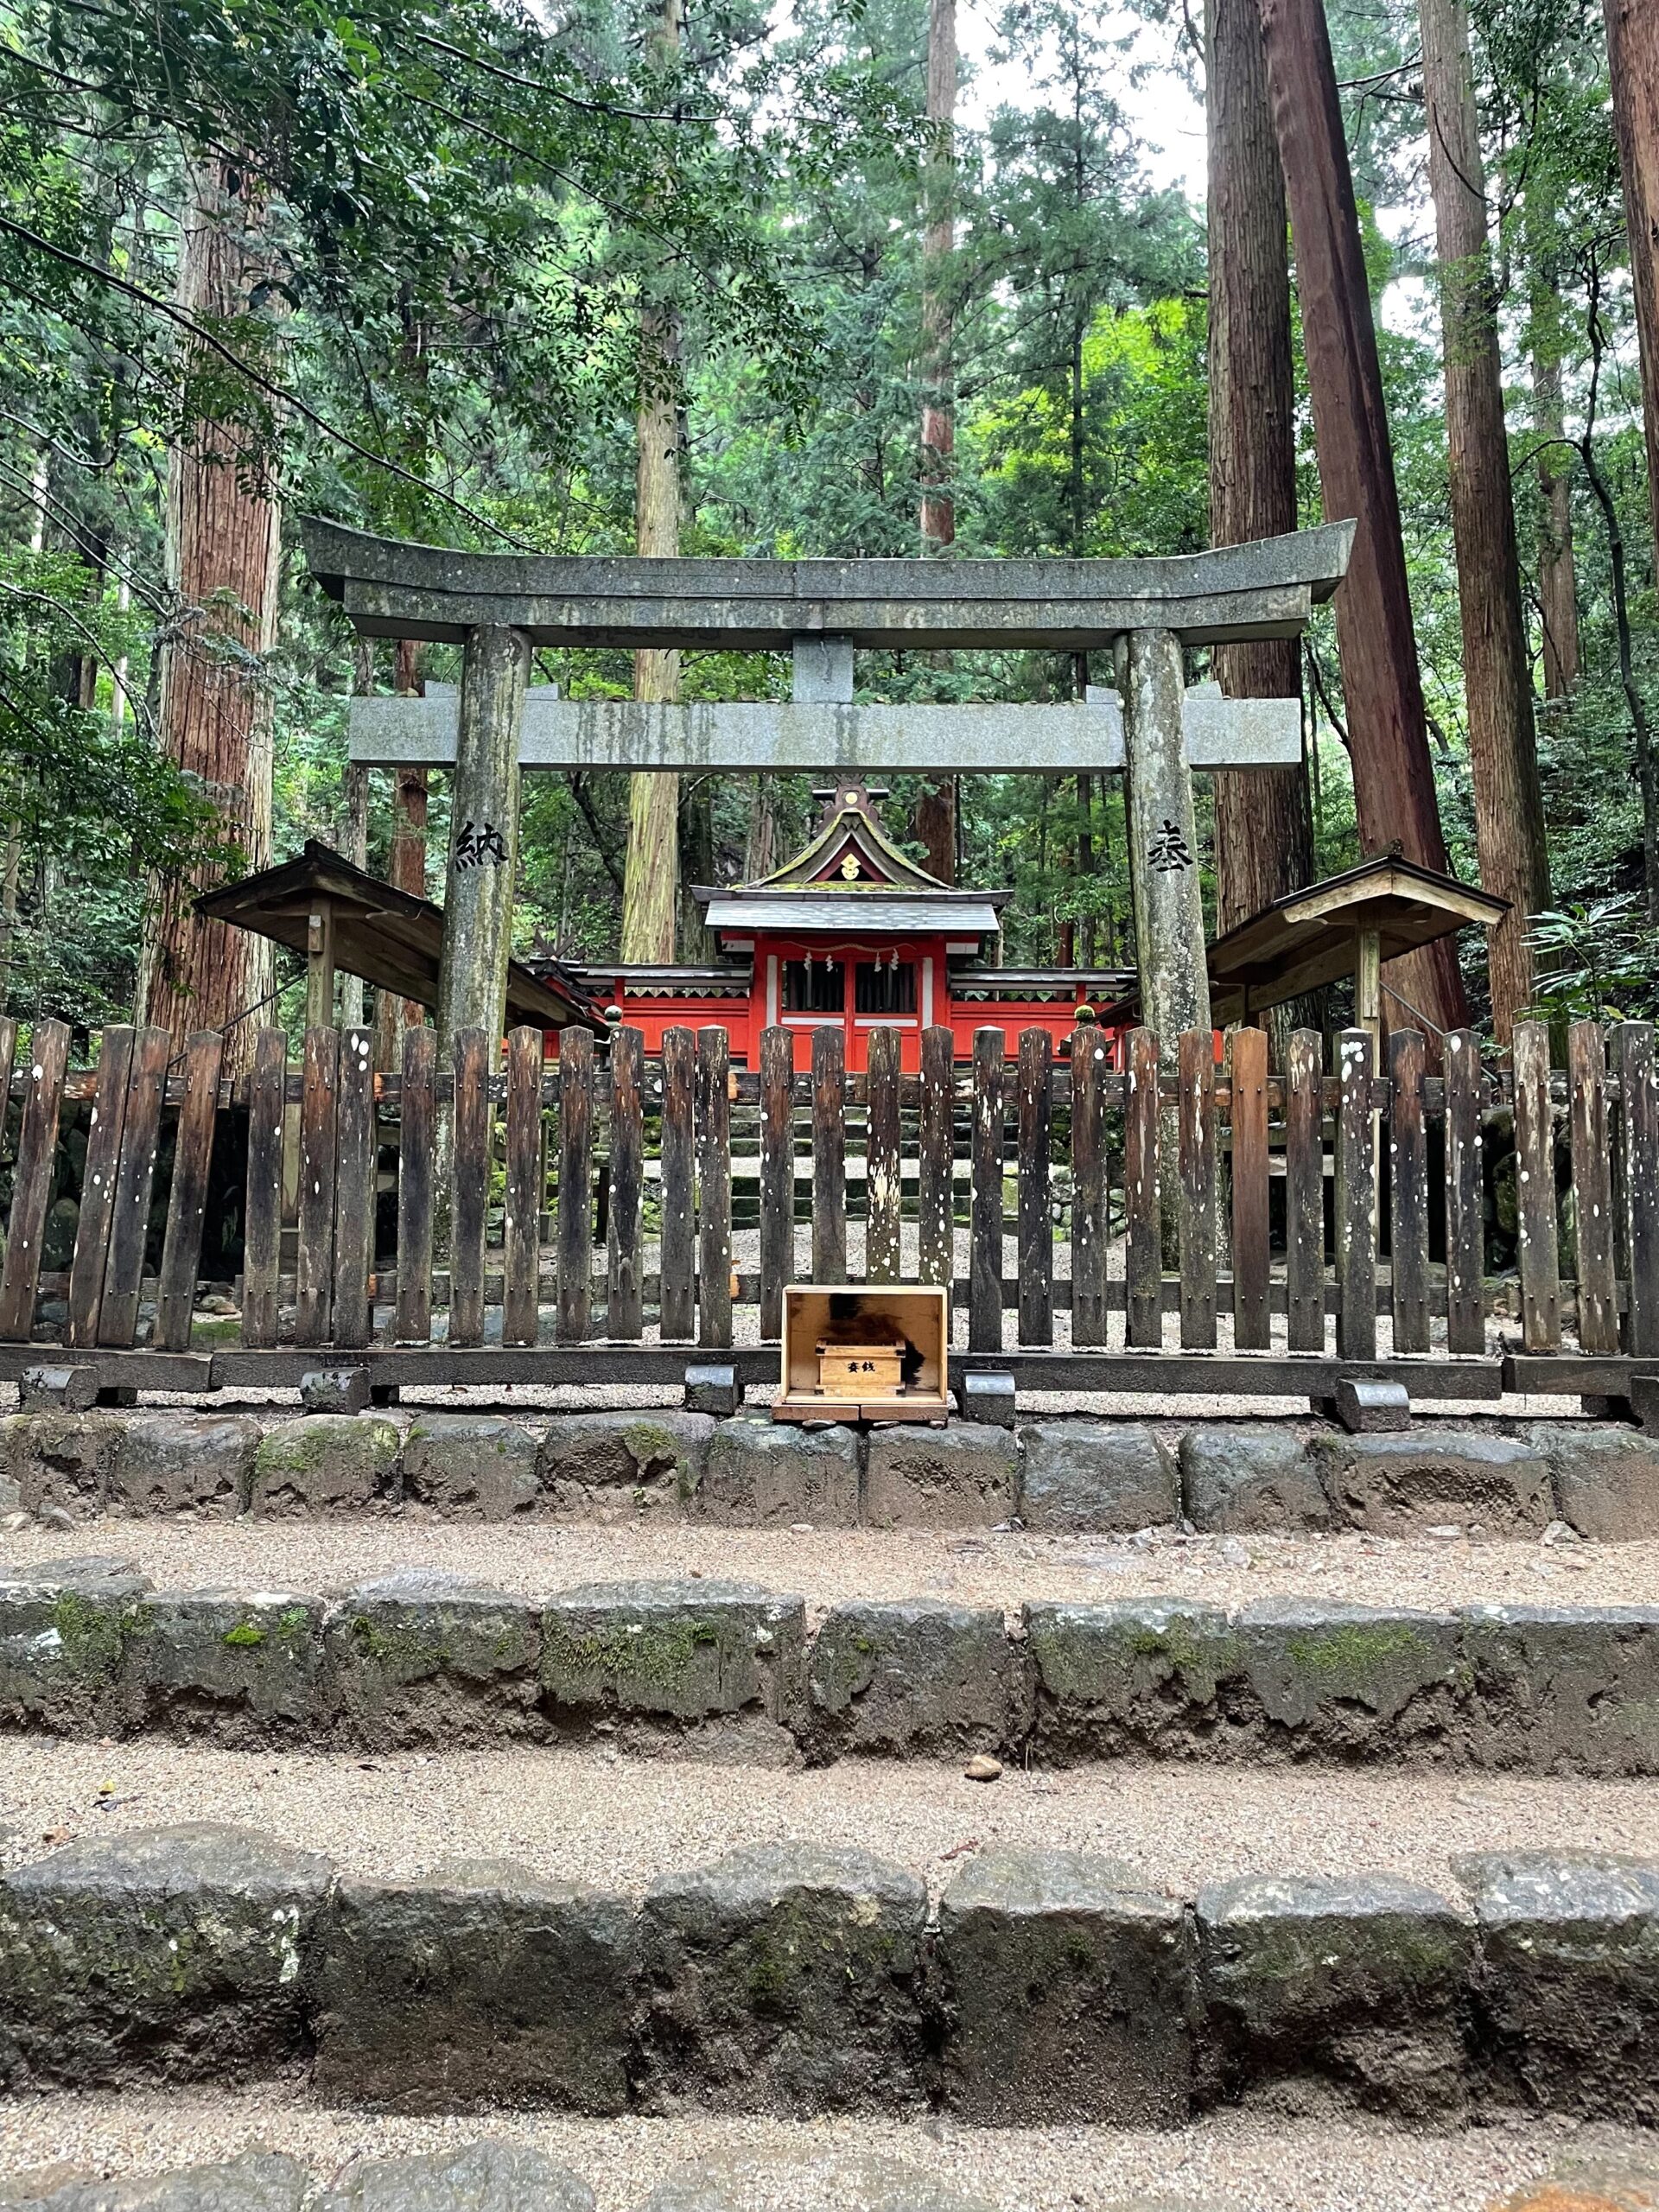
[(591, 1815), (830, 1565), (1245, 2164)]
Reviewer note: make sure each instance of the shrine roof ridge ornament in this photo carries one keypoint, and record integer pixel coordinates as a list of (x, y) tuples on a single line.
[(394, 588)]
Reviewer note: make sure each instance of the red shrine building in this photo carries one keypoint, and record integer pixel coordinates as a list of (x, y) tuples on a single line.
[(850, 931)]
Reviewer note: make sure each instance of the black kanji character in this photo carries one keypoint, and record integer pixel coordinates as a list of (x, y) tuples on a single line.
[(1168, 849), (480, 847)]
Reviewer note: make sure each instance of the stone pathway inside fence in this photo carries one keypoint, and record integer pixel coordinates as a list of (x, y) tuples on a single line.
[(1234, 2163)]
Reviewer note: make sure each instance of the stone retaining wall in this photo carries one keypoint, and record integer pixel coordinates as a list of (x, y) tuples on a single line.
[(1061, 1475), (796, 1980), (422, 1659)]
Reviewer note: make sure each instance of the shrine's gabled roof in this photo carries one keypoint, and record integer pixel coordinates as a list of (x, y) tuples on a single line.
[(851, 874), (850, 852)]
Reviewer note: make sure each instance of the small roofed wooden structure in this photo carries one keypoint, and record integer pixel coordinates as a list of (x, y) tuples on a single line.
[(340, 916), (1349, 925)]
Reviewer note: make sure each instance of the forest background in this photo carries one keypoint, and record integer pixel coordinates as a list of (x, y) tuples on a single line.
[(595, 280)]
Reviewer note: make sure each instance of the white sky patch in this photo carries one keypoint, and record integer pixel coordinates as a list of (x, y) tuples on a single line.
[(1167, 122)]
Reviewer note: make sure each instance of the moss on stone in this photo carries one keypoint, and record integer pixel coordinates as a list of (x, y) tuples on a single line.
[(659, 1654), (299, 1448), (649, 1443), (90, 1634), (244, 1636)]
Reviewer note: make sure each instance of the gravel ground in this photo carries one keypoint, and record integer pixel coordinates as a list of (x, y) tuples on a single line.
[(827, 1566), (1242, 2162), (591, 1815)]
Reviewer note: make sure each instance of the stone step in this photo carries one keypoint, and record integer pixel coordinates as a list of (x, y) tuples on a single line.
[(1226, 2162), (421, 1657), (1501, 1478), (1042, 1988)]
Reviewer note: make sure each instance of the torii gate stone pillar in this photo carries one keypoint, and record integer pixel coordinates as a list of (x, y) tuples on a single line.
[(499, 605), (483, 864), (1163, 837)]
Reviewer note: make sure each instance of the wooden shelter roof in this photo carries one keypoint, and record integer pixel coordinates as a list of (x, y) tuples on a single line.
[(1309, 938), (390, 938)]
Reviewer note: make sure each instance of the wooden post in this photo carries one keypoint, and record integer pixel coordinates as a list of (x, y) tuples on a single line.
[(1143, 1259), (1252, 1330), (713, 1190), (483, 836), (936, 1158), (1034, 1086), (416, 1169), (1534, 1147), (521, 1226), (267, 1113), (193, 1155), (575, 1184), (829, 1154), (1368, 989), (1408, 1193), (883, 1162), (1196, 1166), (1163, 837), (1304, 1191), (777, 1176), (1356, 1203), (1592, 1187), (354, 1182), (677, 1261), (985, 1238), (1090, 1226), (1465, 1310), (625, 1279), (314, 1270), (319, 966)]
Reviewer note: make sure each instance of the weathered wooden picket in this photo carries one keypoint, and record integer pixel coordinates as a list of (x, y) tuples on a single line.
[(1170, 1169)]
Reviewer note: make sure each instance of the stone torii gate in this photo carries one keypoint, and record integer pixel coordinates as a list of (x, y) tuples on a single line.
[(498, 606)]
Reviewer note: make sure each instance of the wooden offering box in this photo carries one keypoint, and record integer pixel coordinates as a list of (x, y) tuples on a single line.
[(876, 1354)]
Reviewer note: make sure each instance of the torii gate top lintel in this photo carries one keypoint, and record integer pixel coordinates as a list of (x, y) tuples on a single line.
[(392, 588)]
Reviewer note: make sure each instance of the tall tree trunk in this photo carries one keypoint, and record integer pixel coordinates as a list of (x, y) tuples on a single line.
[(406, 861), (1496, 671), (651, 875), (1633, 68), (1557, 571), (223, 548), (11, 864), (1086, 845), (696, 860), (1394, 778), (651, 872), (939, 249), (1264, 825), (935, 821), (760, 846)]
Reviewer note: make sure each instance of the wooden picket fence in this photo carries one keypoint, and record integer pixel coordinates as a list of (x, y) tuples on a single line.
[(1168, 1173)]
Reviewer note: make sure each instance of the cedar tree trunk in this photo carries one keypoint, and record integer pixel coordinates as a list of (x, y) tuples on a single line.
[(936, 805), (224, 534), (1394, 778), (1496, 671), (1264, 825)]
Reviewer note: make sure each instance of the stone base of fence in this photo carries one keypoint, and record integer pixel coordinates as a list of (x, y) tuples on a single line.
[(1065, 1475)]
